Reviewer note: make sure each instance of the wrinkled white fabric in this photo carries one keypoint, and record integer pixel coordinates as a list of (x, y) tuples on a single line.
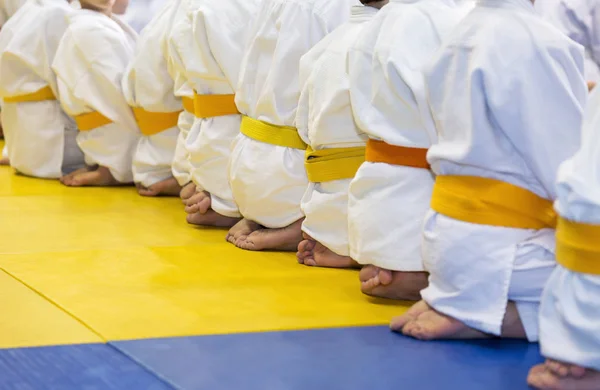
[(387, 203), (507, 92), (268, 181), (570, 305), (141, 12), (37, 133), (90, 62), (148, 84), (180, 38), (580, 21), (324, 120), (212, 66), (8, 8)]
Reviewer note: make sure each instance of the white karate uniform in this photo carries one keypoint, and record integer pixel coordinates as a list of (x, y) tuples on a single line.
[(90, 62), (40, 137), (268, 181), (580, 20), (147, 84), (8, 8), (212, 67), (179, 40), (570, 306), (387, 203), (507, 93), (324, 120), (141, 12)]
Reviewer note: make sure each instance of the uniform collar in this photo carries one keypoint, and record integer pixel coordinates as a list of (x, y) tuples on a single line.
[(523, 5), (361, 13)]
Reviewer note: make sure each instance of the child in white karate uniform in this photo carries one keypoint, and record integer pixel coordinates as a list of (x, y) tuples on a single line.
[(507, 93), (337, 147), (148, 88), (570, 309), (267, 172), (391, 192), (39, 135), (90, 62), (212, 66)]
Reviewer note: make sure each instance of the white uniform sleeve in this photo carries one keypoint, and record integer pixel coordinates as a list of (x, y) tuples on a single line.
[(100, 87), (579, 177), (545, 132)]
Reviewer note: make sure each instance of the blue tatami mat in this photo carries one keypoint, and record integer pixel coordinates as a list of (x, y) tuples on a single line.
[(330, 359), (90, 366)]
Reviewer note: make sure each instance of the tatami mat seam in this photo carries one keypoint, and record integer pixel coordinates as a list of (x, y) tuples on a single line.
[(142, 365), (55, 304)]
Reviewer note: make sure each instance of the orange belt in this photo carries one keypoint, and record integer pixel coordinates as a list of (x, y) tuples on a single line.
[(210, 106), (91, 120), (382, 152), (151, 123)]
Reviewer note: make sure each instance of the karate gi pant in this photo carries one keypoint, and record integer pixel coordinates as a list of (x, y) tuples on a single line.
[(267, 181), (154, 156), (569, 318), (386, 208), (476, 269), (181, 167), (110, 146), (40, 139), (209, 146)]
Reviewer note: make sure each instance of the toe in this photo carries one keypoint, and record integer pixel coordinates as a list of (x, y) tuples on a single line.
[(557, 368), (147, 191), (191, 209), (534, 378), (204, 204), (370, 284), (368, 272)]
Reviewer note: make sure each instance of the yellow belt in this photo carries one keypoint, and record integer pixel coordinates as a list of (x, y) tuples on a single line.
[(37, 96), (91, 120), (188, 104), (578, 246), (210, 106), (382, 152), (333, 164), (151, 123), (272, 134), (491, 202)]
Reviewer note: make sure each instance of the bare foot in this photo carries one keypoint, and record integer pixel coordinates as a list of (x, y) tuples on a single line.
[(68, 178), (314, 254), (251, 236), (424, 323), (95, 176), (187, 191), (199, 202), (198, 207), (383, 283), (167, 187), (212, 218), (571, 377), (4, 161)]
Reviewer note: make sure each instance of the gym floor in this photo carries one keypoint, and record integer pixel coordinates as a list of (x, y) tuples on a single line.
[(103, 289)]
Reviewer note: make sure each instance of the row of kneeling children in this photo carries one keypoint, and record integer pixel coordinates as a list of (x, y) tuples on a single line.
[(423, 141)]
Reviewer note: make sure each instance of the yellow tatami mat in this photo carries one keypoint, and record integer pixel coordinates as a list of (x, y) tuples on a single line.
[(29, 319), (130, 267)]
